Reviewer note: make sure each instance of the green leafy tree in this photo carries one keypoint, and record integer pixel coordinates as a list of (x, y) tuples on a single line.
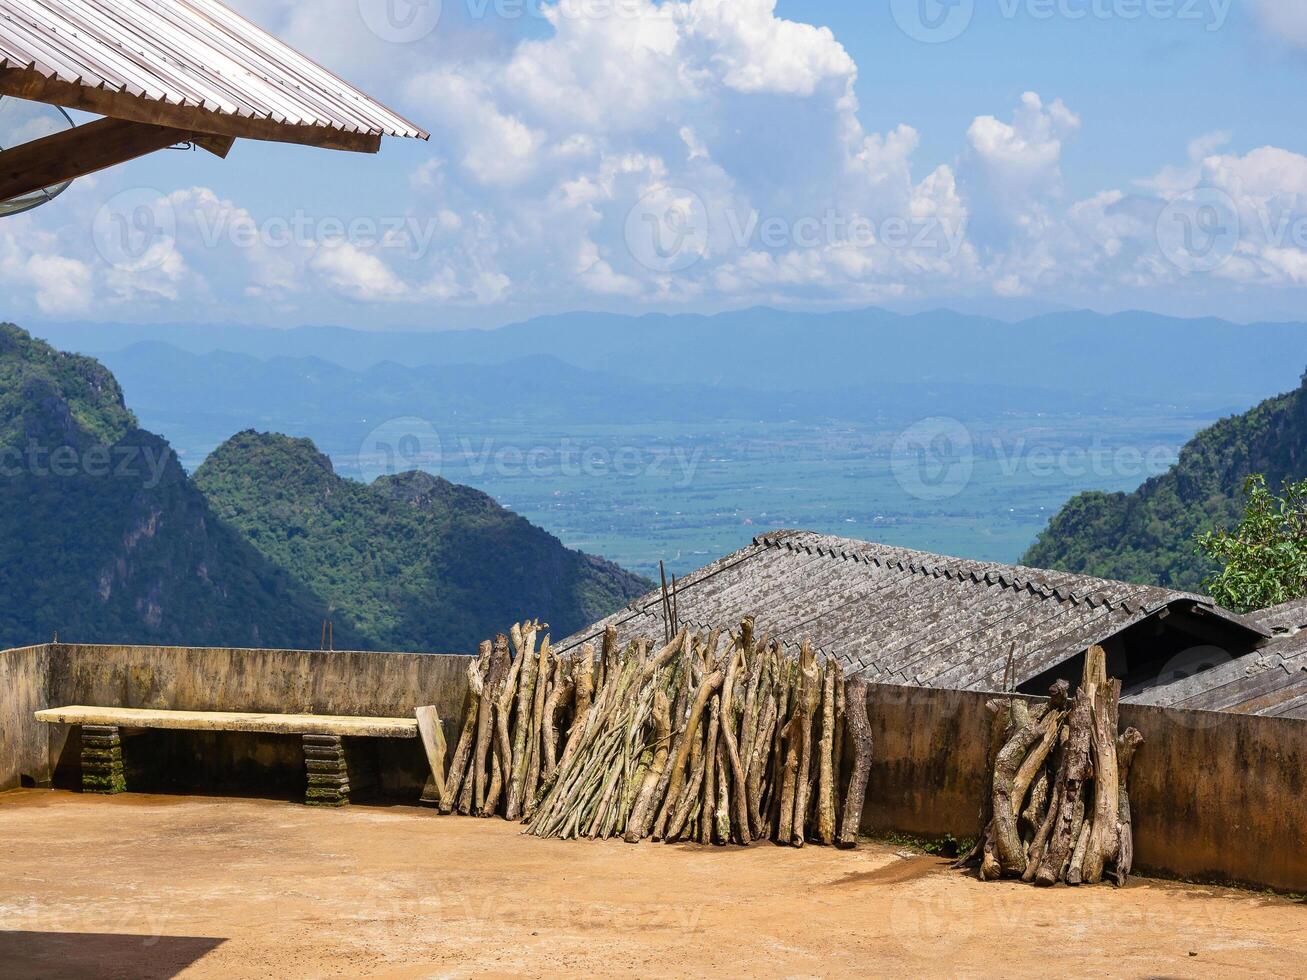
[(1263, 560)]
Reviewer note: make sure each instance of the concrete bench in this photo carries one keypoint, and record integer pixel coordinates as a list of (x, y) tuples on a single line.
[(323, 737)]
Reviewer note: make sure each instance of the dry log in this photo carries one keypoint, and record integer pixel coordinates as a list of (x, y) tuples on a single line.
[(637, 825), (758, 767), (1075, 869), (502, 705), (476, 673), (708, 810), (826, 758), (560, 693), (723, 812), (810, 686), (1007, 840), (524, 640), (732, 748), (1105, 835), (753, 654), (1037, 809), (537, 725), (707, 688), (1034, 762), (499, 668), (1126, 745), (855, 709), (990, 868), (1040, 841), (689, 794), (1076, 768)]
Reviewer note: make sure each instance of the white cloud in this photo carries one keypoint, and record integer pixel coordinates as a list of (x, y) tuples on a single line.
[(543, 148), (62, 285), (351, 272)]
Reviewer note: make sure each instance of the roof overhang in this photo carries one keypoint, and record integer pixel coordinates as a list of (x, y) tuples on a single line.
[(165, 72)]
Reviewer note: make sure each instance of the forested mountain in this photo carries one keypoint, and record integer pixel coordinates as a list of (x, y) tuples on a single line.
[(1148, 535), (413, 559), (103, 537)]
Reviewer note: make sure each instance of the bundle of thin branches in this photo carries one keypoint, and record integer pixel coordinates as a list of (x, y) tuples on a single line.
[(1059, 810), (708, 739)]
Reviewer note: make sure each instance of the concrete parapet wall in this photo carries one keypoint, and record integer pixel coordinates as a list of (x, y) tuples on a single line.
[(1216, 796)]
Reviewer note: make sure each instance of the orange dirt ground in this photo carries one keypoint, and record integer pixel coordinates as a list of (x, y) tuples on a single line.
[(138, 886)]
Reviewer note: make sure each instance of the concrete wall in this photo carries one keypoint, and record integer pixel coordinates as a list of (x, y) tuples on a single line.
[(24, 750), (1215, 796)]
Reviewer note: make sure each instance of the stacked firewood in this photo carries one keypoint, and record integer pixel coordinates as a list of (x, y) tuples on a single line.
[(708, 739), (1060, 808)]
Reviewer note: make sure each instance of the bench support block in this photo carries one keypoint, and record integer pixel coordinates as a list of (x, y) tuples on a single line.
[(102, 760), (328, 771)]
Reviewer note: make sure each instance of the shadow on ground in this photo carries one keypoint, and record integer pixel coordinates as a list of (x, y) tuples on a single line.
[(94, 954)]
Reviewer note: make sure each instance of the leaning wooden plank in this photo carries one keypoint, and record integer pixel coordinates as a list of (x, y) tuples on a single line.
[(433, 742)]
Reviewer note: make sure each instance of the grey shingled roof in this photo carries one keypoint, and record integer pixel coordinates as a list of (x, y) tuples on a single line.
[(1271, 680), (901, 616)]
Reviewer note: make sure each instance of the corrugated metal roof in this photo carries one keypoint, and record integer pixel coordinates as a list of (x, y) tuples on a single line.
[(195, 53), (905, 617)]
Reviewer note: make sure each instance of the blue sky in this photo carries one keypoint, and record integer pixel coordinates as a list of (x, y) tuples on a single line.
[(710, 154)]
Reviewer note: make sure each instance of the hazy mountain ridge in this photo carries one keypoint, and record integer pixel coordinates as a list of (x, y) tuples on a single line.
[(1208, 363)]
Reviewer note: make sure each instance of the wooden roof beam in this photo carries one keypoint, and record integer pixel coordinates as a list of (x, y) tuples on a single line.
[(83, 150), (24, 83)]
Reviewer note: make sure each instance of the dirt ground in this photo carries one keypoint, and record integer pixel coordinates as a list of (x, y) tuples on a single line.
[(140, 886)]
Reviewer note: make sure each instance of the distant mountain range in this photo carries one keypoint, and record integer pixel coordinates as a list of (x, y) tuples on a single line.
[(104, 538), (1127, 358), (1148, 535)]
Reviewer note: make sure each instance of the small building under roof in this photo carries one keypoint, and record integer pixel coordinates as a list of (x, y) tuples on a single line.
[(1271, 680), (907, 617), (164, 72)]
